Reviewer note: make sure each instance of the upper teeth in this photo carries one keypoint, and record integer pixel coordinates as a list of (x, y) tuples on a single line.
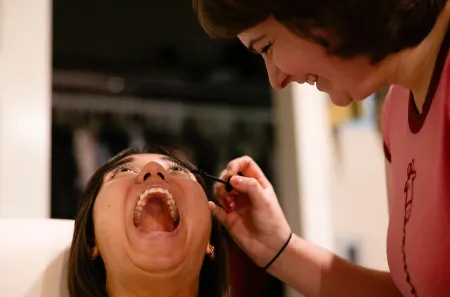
[(311, 79), (167, 198)]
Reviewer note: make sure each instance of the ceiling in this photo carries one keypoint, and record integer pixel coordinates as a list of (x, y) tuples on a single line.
[(151, 45), (139, 36)]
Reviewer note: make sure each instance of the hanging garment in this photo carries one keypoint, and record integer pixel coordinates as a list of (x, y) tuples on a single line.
[(86, 152)]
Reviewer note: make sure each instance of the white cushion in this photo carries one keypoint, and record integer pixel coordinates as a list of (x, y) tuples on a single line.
[(33, 257)]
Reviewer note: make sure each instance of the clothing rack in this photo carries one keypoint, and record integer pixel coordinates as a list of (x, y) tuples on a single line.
[(87, 130), (172, 110)]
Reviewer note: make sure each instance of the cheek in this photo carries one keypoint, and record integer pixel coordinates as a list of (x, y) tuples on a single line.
[(108, 214), (299, 61), (287, 61), (197, 210), (351, 73), (202, 219)]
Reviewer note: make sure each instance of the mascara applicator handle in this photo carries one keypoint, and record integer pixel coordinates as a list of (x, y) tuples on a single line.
[(228, 186)]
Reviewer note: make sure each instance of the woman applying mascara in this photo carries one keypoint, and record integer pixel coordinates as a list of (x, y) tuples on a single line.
[(351, 49)]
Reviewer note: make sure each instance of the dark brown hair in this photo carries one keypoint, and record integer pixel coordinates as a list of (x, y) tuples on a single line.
[(375, 28), (87, 276)]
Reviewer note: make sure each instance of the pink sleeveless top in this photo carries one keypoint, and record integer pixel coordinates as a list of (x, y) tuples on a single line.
[(418, 148)]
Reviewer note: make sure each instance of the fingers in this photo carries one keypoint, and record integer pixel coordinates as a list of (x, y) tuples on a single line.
[(251, 188), (254, 182), (225, 199), (219, 188), (219, 213), (249, 168)]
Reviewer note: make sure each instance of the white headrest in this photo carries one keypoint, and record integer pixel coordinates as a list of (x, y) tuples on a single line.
[(33, 257)]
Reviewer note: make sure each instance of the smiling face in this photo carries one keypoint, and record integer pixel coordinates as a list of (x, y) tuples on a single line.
[(151, 216), (290, 58)]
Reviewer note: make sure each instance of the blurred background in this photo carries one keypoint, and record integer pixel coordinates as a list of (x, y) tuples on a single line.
[(82, 80)]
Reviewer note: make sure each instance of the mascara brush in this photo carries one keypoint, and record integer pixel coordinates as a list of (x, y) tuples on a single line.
[(227, 183), (194, 169)]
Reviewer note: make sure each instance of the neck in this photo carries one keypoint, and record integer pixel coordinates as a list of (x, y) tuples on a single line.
[(413, 68), (161, 287)]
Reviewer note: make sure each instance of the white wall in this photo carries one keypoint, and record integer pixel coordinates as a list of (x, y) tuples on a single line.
[(304, 163), (25, 110), (359, 201), (315, 164), (304, 153)]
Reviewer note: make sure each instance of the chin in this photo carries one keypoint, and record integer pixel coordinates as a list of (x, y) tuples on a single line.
[(341, 99), (167, 266), (337, 94), (157, 252)]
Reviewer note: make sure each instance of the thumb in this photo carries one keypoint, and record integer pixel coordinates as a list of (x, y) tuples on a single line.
[(250, 187)]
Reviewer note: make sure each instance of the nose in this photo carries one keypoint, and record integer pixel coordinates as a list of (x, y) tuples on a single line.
[(278, 79), (152, 170)]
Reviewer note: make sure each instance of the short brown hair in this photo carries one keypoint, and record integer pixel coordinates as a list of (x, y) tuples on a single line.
[(375, 28), (87, 276)]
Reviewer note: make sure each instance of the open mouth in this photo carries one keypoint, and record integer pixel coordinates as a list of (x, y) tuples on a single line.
[(156, 211)]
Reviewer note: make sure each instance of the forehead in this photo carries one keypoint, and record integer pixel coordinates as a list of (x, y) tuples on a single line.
[(268, 26)]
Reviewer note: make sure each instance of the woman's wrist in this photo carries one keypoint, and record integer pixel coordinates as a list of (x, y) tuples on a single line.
[(281, 258), (280, 251), (300, 266)]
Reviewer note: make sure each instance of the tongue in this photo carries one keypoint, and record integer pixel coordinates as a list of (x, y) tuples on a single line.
[(155, 217)]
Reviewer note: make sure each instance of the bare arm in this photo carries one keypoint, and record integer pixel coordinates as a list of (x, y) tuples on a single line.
[(257, 224), (314, 271)]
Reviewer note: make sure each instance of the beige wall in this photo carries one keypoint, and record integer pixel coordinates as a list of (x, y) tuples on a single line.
[(359, 194), (25, 109), (304, 163)]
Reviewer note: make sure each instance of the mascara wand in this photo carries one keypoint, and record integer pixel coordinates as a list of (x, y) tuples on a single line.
[(194, 169), (228, 186)]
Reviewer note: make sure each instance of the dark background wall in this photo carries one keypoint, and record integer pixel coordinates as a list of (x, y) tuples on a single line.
[(155, 43)]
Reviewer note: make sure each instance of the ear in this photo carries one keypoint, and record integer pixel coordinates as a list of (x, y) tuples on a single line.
[(94, 253), (210, 251)]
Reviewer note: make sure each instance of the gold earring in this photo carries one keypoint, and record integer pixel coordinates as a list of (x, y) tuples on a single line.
[(210, 251)]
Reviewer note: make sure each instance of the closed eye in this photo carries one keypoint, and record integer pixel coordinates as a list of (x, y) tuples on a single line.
[(123, 168), (265, 49), (176, 167)]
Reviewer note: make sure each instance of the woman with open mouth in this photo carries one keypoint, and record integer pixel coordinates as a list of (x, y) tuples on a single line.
[(144, 228)]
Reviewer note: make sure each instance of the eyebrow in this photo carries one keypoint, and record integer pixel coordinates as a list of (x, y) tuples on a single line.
[(252, 43)]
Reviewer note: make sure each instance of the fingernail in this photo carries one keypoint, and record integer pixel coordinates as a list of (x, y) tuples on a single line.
[(236, 180), (229, 200), (230, 209)]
